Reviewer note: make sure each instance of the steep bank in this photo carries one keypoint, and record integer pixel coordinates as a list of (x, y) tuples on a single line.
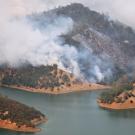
[(19, 117)]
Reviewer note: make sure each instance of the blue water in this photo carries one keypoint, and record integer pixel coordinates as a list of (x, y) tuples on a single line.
[(74, 114)]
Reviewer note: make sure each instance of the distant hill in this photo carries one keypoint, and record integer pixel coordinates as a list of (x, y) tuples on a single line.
[(19, 117), (97, 32)]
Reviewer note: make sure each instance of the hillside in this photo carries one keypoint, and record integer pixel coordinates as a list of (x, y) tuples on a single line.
[(37, 77), (19, 117), (105, 52), (44, 79), (110, 41)]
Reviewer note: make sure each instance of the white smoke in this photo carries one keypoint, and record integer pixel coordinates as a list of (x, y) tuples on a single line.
[(20, 42)]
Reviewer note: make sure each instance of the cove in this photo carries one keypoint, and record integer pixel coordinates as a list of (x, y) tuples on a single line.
[(74, 114)]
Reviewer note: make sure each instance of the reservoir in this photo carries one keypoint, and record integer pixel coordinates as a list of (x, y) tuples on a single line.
[(74, 114)]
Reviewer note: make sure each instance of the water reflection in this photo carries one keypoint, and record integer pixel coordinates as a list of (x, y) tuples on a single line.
[(130, 114)]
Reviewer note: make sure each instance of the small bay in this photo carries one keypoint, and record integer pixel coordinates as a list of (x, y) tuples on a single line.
[(74, 114)]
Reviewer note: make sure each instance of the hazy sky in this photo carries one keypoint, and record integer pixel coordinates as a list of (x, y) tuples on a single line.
[(122, 10)]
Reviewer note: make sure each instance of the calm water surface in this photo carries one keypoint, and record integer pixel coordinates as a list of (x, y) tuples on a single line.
[(74, 114)]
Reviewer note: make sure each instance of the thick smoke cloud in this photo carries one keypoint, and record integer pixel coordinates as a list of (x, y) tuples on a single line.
[(20, 42)]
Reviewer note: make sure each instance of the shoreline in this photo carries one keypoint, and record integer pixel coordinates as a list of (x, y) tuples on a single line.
[(63, 90), (7, 124), (118, 106)]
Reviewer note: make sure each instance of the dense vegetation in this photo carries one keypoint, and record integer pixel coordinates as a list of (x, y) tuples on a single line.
[(35, 77), (18, 113)]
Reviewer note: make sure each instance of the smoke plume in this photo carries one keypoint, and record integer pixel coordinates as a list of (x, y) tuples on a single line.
[(21, 42)]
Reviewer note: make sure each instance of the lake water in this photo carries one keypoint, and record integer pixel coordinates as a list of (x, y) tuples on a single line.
[(74, 114)]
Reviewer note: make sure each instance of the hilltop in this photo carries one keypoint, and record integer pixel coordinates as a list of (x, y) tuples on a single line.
[(110, 41)]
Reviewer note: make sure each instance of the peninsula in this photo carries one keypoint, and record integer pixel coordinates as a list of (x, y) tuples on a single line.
[(19, 117), (118, 99), (45, 79)]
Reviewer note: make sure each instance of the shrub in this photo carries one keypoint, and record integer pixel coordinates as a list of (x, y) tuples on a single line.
[(119, 87)]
